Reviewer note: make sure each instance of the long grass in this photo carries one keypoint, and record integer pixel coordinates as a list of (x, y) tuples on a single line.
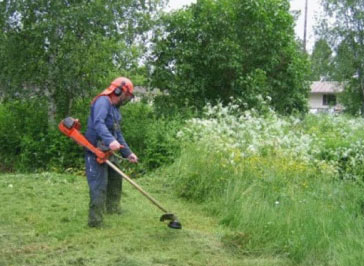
[(277, 207), (284, 186)]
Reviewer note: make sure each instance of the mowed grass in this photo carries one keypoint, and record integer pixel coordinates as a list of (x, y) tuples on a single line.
[(43, 221)]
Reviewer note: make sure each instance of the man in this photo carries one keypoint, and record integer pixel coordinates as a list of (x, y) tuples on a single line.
[(103, 130)]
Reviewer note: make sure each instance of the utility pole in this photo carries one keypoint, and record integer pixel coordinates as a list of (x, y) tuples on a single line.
[(305, 28)]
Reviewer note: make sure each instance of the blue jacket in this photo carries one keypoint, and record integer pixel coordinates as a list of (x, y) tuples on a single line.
[(104, 124)]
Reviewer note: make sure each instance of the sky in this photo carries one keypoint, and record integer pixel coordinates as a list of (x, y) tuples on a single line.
[(312, 12)]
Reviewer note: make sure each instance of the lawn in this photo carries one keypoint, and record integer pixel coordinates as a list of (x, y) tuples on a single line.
[(43, 221)]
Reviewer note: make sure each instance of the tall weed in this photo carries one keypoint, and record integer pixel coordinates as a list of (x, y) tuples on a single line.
[(268, 179)]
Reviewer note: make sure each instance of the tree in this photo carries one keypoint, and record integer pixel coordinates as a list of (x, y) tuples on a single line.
[(321, 61), (64, 49), (343, 26), (214, 50)]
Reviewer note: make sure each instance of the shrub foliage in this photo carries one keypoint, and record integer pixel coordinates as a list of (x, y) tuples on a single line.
[(31, 145), (230, 48)]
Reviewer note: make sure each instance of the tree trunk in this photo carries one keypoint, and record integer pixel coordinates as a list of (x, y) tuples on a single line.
[(69, 106), (305, 28), (52, 108), (361, 84), (362, 102)]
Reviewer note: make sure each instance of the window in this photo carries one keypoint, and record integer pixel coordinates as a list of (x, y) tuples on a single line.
[(329, 99)]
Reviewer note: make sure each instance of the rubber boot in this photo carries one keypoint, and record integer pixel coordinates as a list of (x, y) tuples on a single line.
[(113, 194), (97, 181)]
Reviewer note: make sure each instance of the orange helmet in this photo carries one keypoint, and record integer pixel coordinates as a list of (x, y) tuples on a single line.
[(118, 86), (122, 83)]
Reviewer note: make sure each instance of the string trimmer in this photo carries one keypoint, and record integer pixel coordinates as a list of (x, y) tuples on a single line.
[(71, 128)]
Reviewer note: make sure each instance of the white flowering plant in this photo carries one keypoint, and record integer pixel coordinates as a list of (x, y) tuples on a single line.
[(334, 141), (284, 183)]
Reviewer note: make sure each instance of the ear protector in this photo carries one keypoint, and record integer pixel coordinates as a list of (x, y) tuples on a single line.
[(119, 90)]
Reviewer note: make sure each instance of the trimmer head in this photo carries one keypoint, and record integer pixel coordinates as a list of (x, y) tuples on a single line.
[(174, 223)]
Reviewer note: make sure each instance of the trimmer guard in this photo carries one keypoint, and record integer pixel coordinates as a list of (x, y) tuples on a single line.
[(174, 223)]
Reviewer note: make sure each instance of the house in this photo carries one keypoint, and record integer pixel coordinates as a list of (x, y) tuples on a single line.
[(323, 96), (144, 92)]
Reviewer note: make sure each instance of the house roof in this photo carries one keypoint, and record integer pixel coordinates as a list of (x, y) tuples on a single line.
[(140, 90), (326, 87)]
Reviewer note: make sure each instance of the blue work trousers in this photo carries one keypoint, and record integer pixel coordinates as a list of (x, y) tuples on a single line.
[(105, 187)]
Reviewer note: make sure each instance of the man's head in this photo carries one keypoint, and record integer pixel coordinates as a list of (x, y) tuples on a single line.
[(120, 91), (120, 85)]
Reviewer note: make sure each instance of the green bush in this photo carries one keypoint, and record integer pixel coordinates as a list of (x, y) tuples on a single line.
[(21, 123), (151, 137), (340, 140), (30, 145)]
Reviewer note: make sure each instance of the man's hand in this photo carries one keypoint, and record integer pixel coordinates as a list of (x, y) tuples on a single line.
[(132, 158), (115, 145)]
